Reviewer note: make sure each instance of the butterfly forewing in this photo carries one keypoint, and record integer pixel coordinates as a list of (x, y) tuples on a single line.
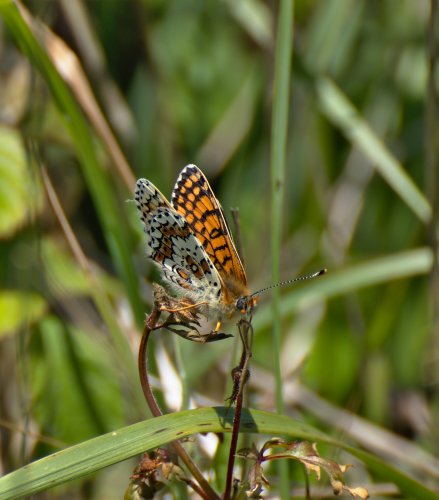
[(193, 198)]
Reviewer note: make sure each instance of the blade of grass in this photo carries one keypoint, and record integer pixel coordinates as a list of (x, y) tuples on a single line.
[(279, 128), (97, 181), (332, 31), (339, 110), (90, 456), (431, 176), (278, 157)]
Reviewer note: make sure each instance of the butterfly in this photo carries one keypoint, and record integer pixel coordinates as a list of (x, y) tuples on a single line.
[(190, 241)]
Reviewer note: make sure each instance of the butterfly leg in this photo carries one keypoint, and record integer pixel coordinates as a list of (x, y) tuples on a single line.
[(216, 334), (213, 336), (182, 308)]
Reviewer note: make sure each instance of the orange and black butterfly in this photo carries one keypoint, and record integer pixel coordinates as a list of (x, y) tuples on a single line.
[(190, 240)]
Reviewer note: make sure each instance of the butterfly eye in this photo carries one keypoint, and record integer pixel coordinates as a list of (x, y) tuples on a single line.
[(242, 304)]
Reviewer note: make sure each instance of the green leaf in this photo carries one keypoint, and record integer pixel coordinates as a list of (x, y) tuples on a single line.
[(92, 455), (20, 194), (18, 309), (64, 273)]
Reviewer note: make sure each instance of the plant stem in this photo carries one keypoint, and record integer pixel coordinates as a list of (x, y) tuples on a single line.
[(246, 334), (278, 160), (150, 325), (431, 178)]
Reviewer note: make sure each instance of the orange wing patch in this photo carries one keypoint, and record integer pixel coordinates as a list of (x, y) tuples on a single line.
[(193, 198)]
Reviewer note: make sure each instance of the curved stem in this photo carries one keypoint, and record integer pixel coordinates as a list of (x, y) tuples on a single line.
[(151, 324)]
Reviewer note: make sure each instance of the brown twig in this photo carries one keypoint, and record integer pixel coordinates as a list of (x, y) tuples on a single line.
[(64, 223), (151, 324), (242, 371), (195, 486)]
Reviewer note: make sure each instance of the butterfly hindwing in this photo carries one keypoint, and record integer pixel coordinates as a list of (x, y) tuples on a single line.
[(172, 245), (148, 198)]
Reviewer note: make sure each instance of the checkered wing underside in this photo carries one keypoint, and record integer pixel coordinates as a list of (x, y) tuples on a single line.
[(193, 198), (172, 244)]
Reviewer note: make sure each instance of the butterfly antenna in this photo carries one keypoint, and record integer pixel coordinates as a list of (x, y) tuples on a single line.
[(287, 282)]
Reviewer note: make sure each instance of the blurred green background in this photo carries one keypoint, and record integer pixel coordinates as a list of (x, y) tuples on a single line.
[(191, 81)]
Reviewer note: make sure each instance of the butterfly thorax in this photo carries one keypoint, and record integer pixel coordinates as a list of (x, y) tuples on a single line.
[(236, 298), (217, 305)]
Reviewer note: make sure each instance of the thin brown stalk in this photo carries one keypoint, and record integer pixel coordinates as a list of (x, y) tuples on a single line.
[(195, 486), (246, 334), (64, 223), (151, 324), (36, 436)]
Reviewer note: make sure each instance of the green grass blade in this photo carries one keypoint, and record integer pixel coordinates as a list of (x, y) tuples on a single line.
[(341, 111), (90, 456), (278, 153), (331, 34), (279, 129)]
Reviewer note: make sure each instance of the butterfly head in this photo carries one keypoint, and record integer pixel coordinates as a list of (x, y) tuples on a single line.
[(246, 304)]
